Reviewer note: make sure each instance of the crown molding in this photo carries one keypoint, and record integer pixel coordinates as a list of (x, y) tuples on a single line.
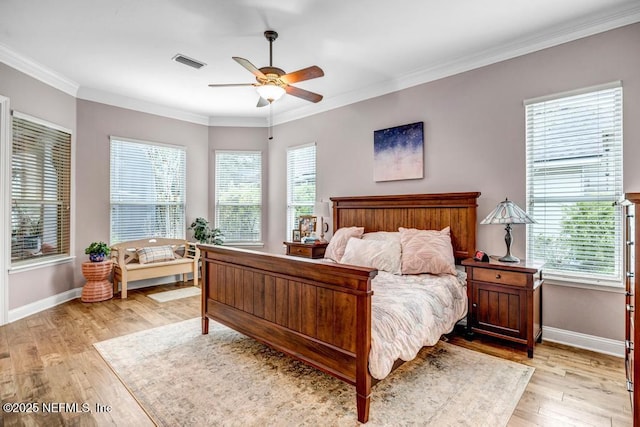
[(116, 100), (553, 37), (251, 122), (37, 71)]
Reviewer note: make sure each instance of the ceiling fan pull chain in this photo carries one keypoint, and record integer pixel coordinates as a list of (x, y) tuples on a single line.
[(270, 131)]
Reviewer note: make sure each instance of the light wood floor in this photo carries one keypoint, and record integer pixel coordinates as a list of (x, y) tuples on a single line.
[(49, 358)]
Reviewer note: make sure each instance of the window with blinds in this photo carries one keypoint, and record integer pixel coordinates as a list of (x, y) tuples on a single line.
[(40, 191), (148, 193), (301, 184), (238, 207), (574, 181)]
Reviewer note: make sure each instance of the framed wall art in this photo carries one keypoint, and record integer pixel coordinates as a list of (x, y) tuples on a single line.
[(398, 152)]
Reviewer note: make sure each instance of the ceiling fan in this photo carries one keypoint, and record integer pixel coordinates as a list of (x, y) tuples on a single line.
[(273, 82)]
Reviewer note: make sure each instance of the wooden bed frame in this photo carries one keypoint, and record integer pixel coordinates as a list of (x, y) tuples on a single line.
[(316, 311)]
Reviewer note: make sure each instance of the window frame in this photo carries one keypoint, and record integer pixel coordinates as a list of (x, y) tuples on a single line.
[(182, 229), (239, 242), (291, 218), (57, 258), (614, 281)]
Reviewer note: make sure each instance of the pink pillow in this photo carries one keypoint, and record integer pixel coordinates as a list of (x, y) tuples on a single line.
[(427, 251), (338, 243)]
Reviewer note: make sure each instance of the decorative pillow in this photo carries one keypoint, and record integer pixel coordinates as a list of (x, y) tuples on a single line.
[(155, 254), (338, 243), (427, 251), (381, 254)]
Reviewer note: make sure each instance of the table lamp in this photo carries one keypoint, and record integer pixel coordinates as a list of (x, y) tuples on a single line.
[(508, 213), (321, 209)]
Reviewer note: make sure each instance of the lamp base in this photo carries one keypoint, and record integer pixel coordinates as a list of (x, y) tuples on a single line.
[(509, 258)]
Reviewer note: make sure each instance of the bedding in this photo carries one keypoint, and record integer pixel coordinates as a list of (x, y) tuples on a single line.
[(412, 311), (338, 243), (381, 254)]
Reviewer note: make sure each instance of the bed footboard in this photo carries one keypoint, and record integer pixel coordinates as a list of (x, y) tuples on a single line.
[(317, 312)]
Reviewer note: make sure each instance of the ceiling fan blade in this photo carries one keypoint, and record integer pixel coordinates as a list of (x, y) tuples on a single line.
[(304, 94), (231, 84), (304, 74), (262, 102), (249, 66)]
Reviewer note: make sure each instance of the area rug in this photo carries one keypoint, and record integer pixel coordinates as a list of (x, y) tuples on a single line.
[(181, 377), (175, 294)]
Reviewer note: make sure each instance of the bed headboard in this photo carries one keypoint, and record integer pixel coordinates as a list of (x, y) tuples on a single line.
[(421, 211)]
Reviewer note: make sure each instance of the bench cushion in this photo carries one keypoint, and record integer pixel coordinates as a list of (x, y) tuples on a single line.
[(152, 254), (136, 266)]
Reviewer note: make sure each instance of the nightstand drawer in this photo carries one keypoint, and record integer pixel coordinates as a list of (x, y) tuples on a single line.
[(500, 276), (300, 251), (305, 250)]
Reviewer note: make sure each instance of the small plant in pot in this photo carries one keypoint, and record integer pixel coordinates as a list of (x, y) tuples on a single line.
[(205, 234), (97, 251)]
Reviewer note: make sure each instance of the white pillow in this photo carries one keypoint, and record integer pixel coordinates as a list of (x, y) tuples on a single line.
[(388, 236), (337, 244), (384, 255)]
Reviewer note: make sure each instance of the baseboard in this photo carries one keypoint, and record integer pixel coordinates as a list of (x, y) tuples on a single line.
[(584, 341), (52, 301), (43, 304)]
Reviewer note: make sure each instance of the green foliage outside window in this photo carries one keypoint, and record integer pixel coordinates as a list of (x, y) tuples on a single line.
[(587, 242)]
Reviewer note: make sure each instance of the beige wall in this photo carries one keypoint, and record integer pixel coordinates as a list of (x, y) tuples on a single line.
[(474, 141), (96, 123), (39, 100)]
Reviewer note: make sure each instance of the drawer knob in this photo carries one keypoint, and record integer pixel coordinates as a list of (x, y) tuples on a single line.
[(474, 305), (498, 276)]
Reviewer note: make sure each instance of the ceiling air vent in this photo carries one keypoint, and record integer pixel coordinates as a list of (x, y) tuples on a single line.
[(188, 61)]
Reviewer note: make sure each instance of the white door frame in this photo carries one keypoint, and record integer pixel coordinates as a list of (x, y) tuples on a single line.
[(5, 208)]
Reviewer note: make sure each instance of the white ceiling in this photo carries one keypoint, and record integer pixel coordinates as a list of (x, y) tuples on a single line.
[(119, 51)]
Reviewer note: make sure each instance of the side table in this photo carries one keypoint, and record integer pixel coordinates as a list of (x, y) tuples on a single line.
[(505, 300), (98, 286)]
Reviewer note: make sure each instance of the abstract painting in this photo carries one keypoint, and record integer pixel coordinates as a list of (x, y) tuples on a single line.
[(398, 152)]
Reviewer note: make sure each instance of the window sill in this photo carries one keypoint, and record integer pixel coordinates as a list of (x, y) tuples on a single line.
[(63, 259), (584, 283)]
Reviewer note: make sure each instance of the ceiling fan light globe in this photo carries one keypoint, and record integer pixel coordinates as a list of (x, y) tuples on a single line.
[(270, 92)]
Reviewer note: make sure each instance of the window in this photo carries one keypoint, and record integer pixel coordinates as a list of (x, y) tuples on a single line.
[(40, 191), (301, 184), (239, 196), (147, 190), (574, 181)]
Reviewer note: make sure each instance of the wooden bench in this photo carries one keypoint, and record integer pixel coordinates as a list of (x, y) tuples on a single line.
[(151, 258)]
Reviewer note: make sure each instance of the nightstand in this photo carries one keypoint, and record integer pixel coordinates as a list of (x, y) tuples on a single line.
[(505, 300), (315, 250)]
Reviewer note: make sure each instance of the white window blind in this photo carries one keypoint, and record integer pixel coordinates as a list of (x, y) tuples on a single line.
[(147, 190), (301, 184), (574, 181), (238, 210), (40, 191)]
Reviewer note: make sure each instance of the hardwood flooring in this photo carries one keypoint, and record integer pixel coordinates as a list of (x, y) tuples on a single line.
[(49, 358)]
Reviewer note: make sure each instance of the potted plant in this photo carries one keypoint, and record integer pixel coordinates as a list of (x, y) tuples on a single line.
[(205, 234), (97, 251)]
